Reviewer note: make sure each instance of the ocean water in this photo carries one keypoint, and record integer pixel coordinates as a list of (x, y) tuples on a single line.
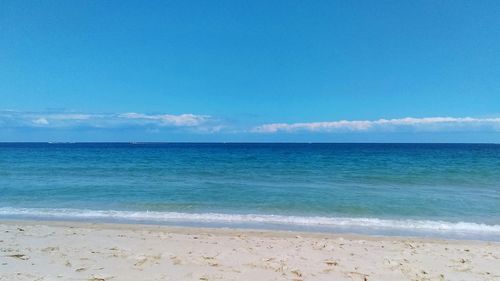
[(437, 190)]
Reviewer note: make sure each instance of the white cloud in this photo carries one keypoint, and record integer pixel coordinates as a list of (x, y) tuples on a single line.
[(208, 124), (168, 119), (41, 121), (11, 118), (427, 123), (71, 116)]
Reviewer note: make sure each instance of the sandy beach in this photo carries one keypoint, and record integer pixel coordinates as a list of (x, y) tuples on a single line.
[(81, 251)]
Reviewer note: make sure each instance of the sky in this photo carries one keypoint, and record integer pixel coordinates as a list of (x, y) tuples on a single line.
[(250, 71)]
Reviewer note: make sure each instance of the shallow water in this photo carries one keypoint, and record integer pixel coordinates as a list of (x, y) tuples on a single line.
[(424, 189)]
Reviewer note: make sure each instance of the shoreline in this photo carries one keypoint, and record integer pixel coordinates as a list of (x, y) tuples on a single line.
[(48, 250), (182, 229), (398, 227)]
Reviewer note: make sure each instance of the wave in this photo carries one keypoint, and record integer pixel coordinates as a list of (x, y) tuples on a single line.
[(219, 218)]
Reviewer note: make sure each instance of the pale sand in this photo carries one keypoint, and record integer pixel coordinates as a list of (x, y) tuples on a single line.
[(77, 251)]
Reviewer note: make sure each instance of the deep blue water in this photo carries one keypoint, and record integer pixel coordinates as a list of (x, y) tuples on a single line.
[(441, 189)]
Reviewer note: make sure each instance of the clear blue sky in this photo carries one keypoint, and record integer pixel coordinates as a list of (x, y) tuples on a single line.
[(230, 70)]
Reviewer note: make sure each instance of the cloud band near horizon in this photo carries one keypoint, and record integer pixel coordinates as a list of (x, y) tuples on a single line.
[(112, 120), (423, 124), (207, 123)]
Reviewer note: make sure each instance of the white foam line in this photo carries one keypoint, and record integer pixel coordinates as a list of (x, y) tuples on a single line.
[(373, 223)]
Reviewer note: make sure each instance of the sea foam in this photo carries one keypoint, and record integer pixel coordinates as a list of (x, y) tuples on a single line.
[(374, 224)]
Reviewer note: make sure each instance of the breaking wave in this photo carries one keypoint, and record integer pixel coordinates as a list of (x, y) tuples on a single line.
[(384, 225)]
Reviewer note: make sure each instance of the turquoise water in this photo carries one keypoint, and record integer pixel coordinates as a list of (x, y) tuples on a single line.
[(450, 190)]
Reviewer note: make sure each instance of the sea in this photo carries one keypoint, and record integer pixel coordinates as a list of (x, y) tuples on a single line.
[(425, 190)]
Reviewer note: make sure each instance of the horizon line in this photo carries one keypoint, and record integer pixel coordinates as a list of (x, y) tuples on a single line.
[(226, 142)]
